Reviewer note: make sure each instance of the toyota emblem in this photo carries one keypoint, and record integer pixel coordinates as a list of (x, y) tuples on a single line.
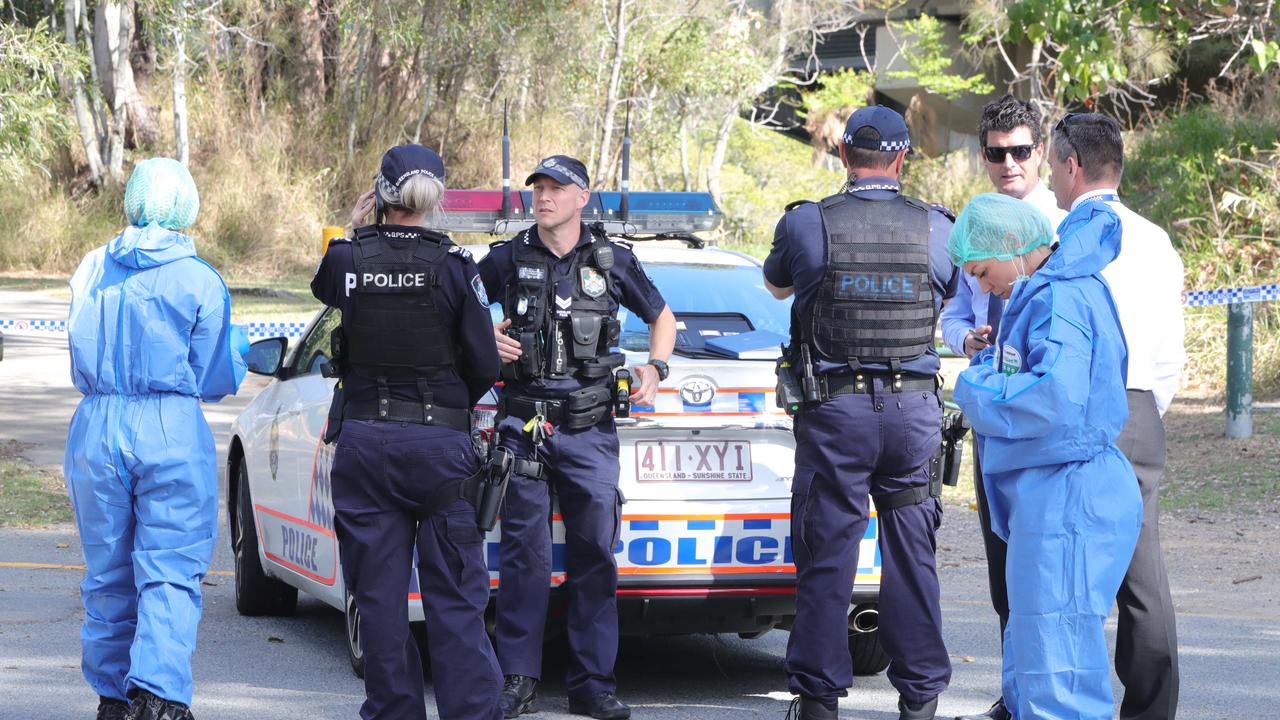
[(697, 391)]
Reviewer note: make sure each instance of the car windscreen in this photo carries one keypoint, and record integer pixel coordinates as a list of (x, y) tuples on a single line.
[(709, 300)]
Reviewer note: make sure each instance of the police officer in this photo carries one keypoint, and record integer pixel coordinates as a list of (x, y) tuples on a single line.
[(560, 285), (414, 353), (869, 269)]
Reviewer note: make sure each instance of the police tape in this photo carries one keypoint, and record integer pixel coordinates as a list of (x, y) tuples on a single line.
[(1191, 298), (252, 329)]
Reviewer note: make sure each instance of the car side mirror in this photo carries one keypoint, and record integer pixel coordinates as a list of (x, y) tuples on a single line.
[(266, 356)]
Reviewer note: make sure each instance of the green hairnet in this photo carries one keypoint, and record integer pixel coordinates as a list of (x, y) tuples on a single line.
[(161, 191), (997, 226)]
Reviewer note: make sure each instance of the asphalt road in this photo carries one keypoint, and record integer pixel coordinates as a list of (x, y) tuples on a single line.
[(253, 668)]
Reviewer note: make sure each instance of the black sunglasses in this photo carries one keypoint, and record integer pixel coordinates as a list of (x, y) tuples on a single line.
[(1062, 127), (1020, 153)]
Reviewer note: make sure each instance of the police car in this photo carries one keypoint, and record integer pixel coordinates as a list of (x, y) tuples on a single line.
[(705, 542)]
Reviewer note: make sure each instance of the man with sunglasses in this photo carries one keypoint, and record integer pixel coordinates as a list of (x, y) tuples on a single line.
[(1012, 144), (1087, 159)]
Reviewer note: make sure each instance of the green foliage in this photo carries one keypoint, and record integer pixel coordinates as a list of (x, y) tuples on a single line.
[(839, 89), (929, 57), (1265, 54), (33, 121)]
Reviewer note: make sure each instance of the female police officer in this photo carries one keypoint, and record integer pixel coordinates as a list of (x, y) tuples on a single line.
[(414, 353), (1047, 402)]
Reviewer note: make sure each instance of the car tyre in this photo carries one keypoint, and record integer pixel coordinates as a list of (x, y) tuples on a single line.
[(256, 592), (355, 652), (868, 657)]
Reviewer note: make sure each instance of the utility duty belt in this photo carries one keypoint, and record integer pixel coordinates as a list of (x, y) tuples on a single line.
[(484, 489), (422, 412), (583, 408)]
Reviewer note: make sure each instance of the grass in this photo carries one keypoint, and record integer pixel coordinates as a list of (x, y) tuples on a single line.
[(30, 496)]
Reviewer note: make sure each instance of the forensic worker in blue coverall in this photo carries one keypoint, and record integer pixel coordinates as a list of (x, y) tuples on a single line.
[(414, 354), (1047, 402), (150, 339), (869, 270)]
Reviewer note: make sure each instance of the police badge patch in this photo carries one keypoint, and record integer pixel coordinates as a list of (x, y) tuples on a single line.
[(478, 286), (592, 281)]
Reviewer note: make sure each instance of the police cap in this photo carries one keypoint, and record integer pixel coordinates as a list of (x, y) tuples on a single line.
[(564, 170), (404, 161), (892, 129)]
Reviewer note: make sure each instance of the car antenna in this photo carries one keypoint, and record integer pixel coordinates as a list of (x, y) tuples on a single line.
[(506, 165), (624, 205)]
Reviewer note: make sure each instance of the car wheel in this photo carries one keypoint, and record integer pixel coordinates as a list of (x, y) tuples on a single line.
[(256, 593), (868, 657), (355, 653)]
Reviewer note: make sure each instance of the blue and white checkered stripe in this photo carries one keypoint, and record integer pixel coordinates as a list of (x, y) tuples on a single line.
[(1231, 296), (885, 145), (253, 329)]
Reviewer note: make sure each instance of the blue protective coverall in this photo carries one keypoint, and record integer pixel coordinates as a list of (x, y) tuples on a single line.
[(1048, 401), (150, 338)]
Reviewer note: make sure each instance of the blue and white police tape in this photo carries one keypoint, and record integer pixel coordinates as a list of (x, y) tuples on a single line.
[(1191, 298), (252, 329)]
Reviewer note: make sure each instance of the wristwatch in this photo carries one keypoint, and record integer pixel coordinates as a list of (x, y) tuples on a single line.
[(661, 367)]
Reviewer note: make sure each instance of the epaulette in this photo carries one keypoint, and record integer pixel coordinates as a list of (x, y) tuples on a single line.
[(624, 243), (339, 240), (461, 252), (499, 243), (948, 212), (795, 204)]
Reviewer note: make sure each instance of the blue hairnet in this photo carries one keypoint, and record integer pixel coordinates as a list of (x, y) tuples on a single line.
[(997, 226), (161, 191)]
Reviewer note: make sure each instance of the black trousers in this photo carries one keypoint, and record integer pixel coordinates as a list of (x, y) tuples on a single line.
[(1146, 632)]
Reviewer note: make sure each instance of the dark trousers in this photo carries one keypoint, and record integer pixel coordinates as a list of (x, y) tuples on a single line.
[(1146, 633), (381, 473), (846, 448), (582, 468)]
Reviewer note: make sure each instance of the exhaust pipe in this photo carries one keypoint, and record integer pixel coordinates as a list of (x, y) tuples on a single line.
[(864, 619)]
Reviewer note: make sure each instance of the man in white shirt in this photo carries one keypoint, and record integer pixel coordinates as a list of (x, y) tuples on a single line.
[(1009, 134), (1146, 279)]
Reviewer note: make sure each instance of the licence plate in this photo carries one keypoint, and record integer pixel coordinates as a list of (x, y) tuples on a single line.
[(693, 461)]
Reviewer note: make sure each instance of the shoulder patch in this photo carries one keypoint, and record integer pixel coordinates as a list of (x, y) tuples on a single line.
[(795, 204), (946, 211), (461, 252), (477, 286)]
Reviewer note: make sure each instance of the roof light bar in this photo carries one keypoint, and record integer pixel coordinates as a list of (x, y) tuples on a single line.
[(482, 211)]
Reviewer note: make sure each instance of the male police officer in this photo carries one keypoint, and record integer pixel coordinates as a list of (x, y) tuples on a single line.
[(560, 285), (869, 270), (415, 353)]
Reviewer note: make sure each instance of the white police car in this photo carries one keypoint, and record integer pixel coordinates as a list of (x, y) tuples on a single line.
[(705, 544)]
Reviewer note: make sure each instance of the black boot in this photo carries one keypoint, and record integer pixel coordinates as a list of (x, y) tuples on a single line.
[(922, 711), (146, 706), (112, 709), (997, 712), (518, 694), (807, 708), (603, 706)]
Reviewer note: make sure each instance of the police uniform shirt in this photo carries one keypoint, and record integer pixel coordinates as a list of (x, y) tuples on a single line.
[(629, 287), (462, 305), (970, 306), (1146, 282), (798, 259)]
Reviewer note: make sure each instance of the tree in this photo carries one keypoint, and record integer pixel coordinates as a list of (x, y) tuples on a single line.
[(32, 122)]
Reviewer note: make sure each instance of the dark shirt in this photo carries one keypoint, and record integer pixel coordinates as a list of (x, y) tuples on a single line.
[(798, 259), (629, 287), (463, 309)]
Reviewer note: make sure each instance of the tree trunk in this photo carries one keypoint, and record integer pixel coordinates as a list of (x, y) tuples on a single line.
[(74, 84), (684, 152), (180, 83), (119, 63), (356, 96), (113, 28), (717, 156), (310, 39), (611, 100)]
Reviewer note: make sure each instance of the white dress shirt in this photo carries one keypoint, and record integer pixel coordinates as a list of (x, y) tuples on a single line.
[(1044, 201), (1146, 283)]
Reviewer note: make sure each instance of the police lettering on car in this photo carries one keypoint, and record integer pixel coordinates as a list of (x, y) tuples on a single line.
[(560, 286), (869, 269), (414, 353)]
